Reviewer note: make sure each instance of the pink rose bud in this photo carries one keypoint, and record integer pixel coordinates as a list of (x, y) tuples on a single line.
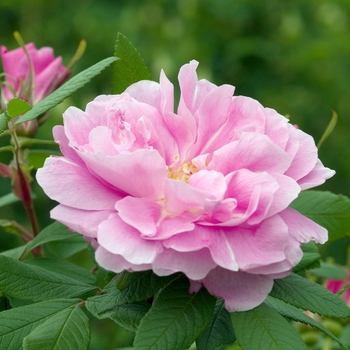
[(204, 190), (30, 76)]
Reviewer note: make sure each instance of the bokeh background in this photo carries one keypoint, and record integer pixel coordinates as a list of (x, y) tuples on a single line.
[(293, 56)]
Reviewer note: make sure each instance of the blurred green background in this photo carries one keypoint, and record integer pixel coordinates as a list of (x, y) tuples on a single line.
[(293, 56)]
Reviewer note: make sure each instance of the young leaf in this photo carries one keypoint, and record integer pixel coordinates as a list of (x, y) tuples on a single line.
[(264, 328), (219, 330), (63, 267), (16, 323), (27, 282), (68, 329), (295, 314), (176, 318), (66, 90), (327, 209), (16, 107), (3, 122), (130, 68), (307, 295)]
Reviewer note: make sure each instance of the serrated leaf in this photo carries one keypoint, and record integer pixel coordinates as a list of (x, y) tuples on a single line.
[(68, 329), (16, 323), (219, 330), (327, 209), (16, 107), (66, 89), (311, 257), (130, 68), (264, 328), (3, 122), (327, 270), (307, 295), (54, 232), (23, 281), (295, 314), (176, 318), (64, 268)]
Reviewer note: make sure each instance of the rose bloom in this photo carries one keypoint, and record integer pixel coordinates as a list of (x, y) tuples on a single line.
[(48, 73), (204, 191)]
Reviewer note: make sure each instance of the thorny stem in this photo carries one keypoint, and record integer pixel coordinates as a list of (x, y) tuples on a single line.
[(25, 189)]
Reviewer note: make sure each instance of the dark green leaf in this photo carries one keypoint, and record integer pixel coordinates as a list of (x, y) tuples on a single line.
[(295, 314), (65, 248), (16, 323), (311, 257), (3, 122), (36, 158), (130, 68), (307, 295), (27, 282), (327, 209), (264, 328), (219, 330), (64, 268), (16, 107), (330, 271), (67, 329), (14, 253), (176, 318), (66, 89)]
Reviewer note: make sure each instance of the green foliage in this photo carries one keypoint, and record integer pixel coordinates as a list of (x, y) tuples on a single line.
[(327, 270), (16, 107), (66, 90), (130, 68), (327, 209), (265, 328), (3, 122)]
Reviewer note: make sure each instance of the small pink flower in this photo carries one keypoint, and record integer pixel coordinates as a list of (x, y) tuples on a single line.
[(336, 286), (204, 191), (30, 76)]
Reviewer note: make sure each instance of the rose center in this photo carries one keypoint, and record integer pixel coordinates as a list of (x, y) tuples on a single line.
[(183, 173)]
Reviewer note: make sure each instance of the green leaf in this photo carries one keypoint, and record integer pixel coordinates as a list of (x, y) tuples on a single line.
[(23, 281), (63, 267), (219, 330), (176, 318), (3, 122), (8, 199), (264, 328), (307, 295), (68, 329), (327, 209), (66, 248), (330, 271), (311, 257), (130, 68), (16, 323), (295, 314), (14, 253), (36, 158), (66, 90), (16, 107), (54, 232)]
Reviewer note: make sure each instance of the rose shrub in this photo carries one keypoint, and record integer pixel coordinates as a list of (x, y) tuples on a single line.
[(204, 191), (47, 73)]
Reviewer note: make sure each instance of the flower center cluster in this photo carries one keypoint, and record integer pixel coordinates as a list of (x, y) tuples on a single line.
[(183, 173)]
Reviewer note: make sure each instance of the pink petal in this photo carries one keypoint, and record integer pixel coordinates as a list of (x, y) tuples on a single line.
[(74, 186), (241, 291), (122, 239), (83, 221)]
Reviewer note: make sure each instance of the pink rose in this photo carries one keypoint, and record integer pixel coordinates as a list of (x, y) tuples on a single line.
[(204, 191), (48, 73)]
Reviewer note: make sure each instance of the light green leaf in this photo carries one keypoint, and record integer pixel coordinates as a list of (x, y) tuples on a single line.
[(307, 295), (14, 253), (295, 314), (130, 68), (327, 209), (219, 330), (16, 107), (64, 268), (23, 281), (68, 329), (16, 323), (176, 318), (330, 271), (264, 328), (8, 199), (66, 89), (311, 257)]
